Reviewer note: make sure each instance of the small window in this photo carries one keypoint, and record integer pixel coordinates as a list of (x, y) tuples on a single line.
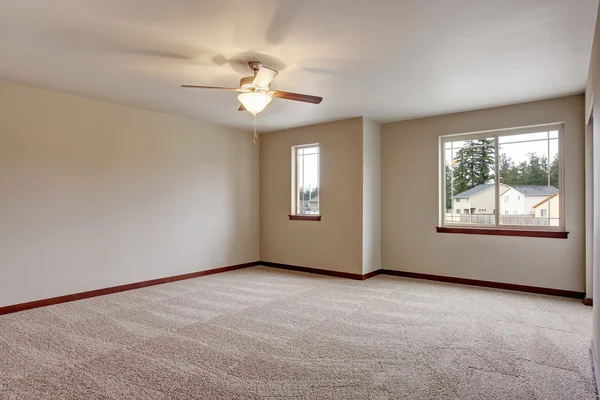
[(486, 167), (305, 170)]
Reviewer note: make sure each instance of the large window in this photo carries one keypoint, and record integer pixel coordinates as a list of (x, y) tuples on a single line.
[(305, 175), (503, 179)]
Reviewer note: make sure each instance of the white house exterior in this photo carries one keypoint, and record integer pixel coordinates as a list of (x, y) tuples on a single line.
[(478, 200), (514, 200), (549, 207), (521, 199)]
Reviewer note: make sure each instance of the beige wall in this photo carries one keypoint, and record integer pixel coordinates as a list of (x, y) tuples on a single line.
[(97, 194), (335, 242), (410, 165)]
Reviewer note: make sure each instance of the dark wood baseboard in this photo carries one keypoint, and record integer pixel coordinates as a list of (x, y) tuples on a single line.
[(588, 302), (116, 289), (371, 274), (495, 285), (347, 275), (338, 274)]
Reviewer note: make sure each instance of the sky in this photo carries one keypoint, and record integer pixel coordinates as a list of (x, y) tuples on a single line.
[(307, 167)]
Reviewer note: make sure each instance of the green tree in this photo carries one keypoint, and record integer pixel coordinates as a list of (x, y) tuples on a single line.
[(474, 164), (534, 171), (509, 173), (554, 172), (449, 192)]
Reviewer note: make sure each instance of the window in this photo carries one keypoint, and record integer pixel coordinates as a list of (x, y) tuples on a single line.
[(305, 173), (490, 168)]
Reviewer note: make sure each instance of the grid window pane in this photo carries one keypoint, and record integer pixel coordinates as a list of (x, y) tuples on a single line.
[(526, 176), (306, 186), (521, 182), (470, 184)]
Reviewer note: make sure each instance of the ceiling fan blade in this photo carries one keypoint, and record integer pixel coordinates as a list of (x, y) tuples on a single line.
[(209, 87), (242, 108), (264, 77), (297, 97)]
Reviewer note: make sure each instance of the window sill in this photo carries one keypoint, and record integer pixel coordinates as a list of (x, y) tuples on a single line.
[(504, 232), (304, 217)]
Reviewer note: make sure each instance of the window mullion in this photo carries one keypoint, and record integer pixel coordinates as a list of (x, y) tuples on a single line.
[(497, 181), (548, 166)]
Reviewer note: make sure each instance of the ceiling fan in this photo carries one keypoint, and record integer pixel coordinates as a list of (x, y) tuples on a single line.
[(256, 90)]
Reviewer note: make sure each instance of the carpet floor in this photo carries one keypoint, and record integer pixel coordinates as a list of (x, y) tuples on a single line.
[(262, 333)]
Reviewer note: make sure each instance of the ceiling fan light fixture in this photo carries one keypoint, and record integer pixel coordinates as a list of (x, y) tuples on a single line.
[(254, 102)]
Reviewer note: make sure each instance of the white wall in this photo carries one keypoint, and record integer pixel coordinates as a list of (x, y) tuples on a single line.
[(589, 208), (410, 165), (592, 97), (96, 194), (371, 196)]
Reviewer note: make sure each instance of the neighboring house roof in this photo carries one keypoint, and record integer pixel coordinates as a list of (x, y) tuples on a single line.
[(545, 200), (526, 190), (535, 190), (473, 191)]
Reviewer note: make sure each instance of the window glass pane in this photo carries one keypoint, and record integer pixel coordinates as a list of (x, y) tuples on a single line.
[(553, 206), (311, 150), (523, 138), (470, 184), (525, 172), (300, 182), (307, 180)]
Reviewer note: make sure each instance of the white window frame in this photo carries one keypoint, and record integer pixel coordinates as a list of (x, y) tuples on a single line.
[(495, 134), (294, 179)]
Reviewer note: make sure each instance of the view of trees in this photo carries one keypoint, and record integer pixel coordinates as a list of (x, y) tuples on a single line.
[(533, 171), (308, 193), (473, 165)]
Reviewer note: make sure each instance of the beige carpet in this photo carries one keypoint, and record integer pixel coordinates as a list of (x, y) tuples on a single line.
[(261, 333)]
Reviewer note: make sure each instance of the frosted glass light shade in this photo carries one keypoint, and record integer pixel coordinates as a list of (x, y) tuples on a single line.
[(254, 102)]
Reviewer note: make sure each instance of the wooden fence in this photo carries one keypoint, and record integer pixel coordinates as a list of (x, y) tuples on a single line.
[(490, 219)]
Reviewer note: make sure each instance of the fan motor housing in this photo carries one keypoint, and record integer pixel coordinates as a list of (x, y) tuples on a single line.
[(246, 82)]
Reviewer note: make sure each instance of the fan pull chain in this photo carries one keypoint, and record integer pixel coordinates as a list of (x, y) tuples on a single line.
[(255, 137)]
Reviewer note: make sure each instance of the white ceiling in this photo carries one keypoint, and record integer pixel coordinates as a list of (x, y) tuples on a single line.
[(383, 59)]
